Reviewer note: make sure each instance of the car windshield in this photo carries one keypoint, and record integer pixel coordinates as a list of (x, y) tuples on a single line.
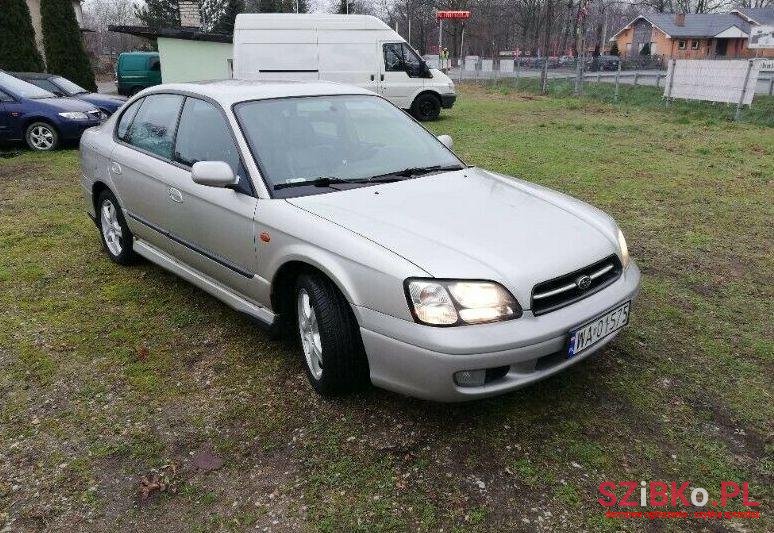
[(22, 88), (325, 140), (68, 86)]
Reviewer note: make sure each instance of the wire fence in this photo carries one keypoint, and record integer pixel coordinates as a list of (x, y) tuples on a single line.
[(645, 71)]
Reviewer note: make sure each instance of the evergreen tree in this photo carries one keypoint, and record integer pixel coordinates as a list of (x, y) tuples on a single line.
[(158, 13), (18, 51), (614, 51), (65, 53)]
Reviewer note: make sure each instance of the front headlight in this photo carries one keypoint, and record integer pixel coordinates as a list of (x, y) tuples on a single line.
[(454, 303), (74, 115), (623, 249)]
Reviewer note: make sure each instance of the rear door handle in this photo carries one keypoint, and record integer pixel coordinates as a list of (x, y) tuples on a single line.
[(175, 195), (372, 77), (115, 168), (381, 77)]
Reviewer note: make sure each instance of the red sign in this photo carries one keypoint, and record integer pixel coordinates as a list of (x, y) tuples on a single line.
[(464, 15)]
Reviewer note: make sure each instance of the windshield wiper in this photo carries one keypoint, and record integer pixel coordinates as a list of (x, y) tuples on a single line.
[(417, 171), (322, 181)]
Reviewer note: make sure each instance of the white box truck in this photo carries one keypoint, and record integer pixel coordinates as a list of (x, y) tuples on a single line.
[(354, 49)]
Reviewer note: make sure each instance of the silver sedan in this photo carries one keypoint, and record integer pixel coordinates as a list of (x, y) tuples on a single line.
[(326, 213)]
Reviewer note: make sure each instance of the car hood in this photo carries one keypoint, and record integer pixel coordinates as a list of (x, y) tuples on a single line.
[(100, 100), (474, 224), (66, 104)]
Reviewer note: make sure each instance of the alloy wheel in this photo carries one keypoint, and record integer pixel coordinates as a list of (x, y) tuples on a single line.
[(309, 330), (41, 137), (111, 228)]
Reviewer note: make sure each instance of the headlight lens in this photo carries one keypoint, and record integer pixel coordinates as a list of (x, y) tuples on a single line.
[(623, 248), (74, 115), (451, 302)]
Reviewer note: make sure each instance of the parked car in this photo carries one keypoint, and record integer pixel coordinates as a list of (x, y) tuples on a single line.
[(603, 63), (358, 50), (136, 71), (322, 210), (39, 117), (63, 87)]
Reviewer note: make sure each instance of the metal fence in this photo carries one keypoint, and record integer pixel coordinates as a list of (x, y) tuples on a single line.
[(644, 71)]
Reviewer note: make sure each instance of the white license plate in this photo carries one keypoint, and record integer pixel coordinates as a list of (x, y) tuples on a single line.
[(592, 332)]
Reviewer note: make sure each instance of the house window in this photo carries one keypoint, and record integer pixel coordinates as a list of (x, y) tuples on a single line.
[(681, 45), (695, 45)]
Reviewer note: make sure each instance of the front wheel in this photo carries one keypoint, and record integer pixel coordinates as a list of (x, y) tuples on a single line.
[(334, 358), (426, 106), (41, 136)]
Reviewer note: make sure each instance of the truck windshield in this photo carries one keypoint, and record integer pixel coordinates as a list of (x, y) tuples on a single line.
[(341, 139), (22, 88)]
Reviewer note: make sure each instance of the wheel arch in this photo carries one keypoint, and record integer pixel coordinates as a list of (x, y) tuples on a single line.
[(38, 118), (431, 92)]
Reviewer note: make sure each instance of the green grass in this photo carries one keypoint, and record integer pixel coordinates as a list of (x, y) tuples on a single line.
[(683, 394)]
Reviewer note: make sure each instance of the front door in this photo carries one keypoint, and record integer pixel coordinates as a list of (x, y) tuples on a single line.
[(399, 77), (721, 47), (215, 223)]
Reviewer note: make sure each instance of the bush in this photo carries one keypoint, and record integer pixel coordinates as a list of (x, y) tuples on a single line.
[(18, 51), (65, 53)]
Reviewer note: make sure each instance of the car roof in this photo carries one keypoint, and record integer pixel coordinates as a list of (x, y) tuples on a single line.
[(228, 92), (33, 75), (138, 54)]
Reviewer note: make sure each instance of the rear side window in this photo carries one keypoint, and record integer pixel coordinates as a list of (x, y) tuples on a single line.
[(5, 98), (153, 127), (204, 135), (122, 131)]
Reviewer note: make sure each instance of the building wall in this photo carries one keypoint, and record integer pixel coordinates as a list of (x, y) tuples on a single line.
[(34, 7), (628, 45), (183, 60)]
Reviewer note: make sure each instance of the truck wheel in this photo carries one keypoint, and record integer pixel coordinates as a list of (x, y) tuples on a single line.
[(334, 357), (116, 237), (426, 106), (41, 136)]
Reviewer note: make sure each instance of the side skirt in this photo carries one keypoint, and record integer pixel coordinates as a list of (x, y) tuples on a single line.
[(263, 316)]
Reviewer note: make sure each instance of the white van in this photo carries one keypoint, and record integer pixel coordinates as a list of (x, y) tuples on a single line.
[(354, 49)]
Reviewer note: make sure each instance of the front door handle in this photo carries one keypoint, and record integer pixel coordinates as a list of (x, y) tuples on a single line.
[(381, 77), (115, 168), (175, 195), (372, 77)]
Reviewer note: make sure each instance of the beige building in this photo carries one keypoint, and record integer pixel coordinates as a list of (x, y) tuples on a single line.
[(34, 7)]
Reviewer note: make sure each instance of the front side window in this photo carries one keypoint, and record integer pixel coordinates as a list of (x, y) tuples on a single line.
[(344, 137), (412, 61), (204, 135), (154, 64), (393, 58), (153, 127)]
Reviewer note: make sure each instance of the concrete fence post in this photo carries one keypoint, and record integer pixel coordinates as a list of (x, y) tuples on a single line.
[(743, 92), (544, 77), (771, 85), (636, 78), (617, 80), (671, 76)]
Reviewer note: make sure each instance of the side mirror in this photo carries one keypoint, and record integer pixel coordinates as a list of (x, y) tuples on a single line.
[(213, 174), (447, 141)]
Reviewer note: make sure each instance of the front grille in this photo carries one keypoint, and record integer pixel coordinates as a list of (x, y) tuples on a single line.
[(558, 292)]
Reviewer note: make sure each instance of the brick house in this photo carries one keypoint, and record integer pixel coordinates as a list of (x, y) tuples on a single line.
[(694, 36)]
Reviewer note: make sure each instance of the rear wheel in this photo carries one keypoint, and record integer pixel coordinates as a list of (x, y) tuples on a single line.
[(334, 358), (426, 106), (41, 136), (116, 237)]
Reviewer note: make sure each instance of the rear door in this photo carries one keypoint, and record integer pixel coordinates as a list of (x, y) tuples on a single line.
[(398, 80), (4, 115), (141, 165)]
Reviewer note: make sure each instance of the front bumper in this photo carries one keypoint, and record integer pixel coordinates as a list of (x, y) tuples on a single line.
[(72, 130), (447, 100), (421, 361)]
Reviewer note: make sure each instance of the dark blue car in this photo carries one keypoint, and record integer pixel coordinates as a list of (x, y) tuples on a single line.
[(39, 117), (63, 87)]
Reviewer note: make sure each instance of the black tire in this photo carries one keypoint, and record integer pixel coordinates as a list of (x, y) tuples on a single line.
[(126, 255), (426, 107), (344, 364), (41, 136)]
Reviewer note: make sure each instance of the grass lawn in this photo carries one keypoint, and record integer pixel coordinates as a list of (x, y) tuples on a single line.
[(112, 375)]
